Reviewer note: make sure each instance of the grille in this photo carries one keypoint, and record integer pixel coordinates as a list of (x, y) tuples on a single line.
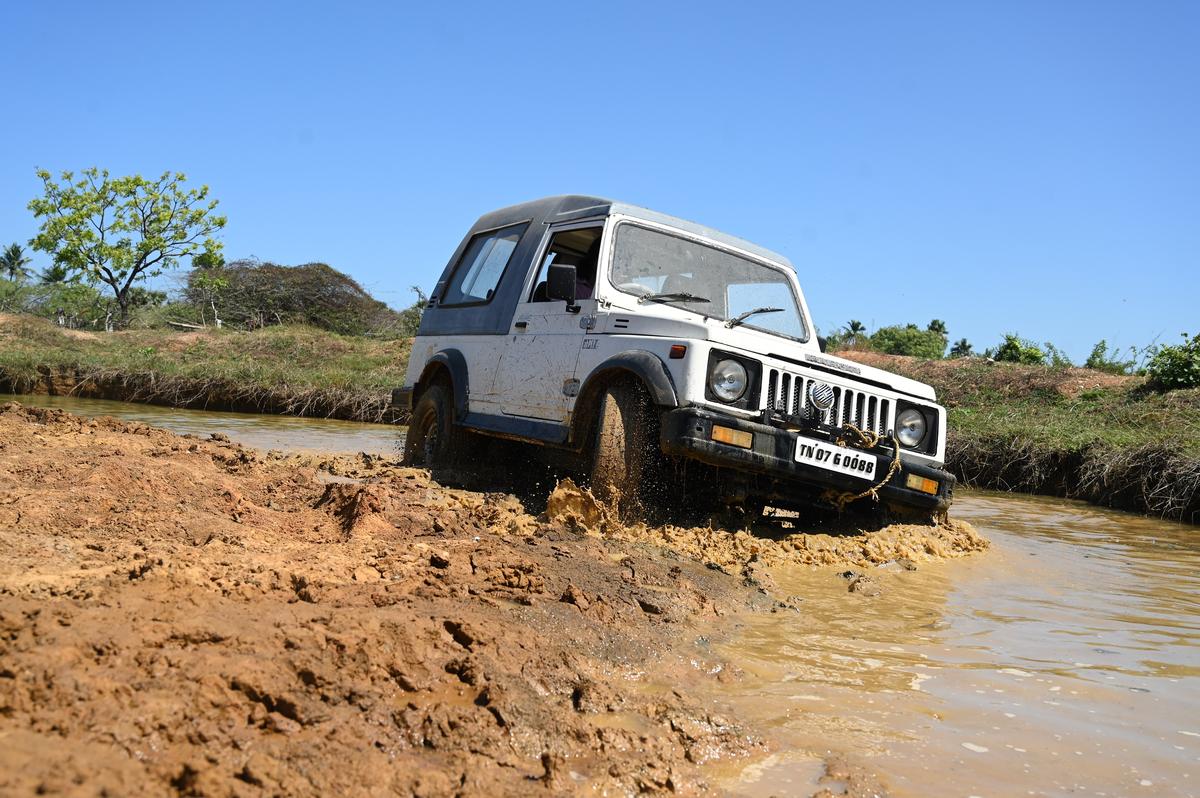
[(788, 393)]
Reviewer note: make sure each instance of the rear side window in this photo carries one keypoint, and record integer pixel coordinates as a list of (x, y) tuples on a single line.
[(483, 263)]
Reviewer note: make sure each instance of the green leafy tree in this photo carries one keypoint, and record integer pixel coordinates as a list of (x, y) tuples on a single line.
[(207, 287), (13, 262), (961, 348), (208, 260), (119, 230), (938, 326), (81, 304), (909, 340), (1015, 349)]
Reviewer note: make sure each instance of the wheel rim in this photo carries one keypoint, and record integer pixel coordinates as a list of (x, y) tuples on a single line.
[(429, 438)]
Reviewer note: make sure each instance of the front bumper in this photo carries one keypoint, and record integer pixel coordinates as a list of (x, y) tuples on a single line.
[(687, 432)]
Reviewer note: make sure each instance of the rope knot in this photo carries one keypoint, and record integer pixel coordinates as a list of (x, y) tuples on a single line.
[(865, 439)]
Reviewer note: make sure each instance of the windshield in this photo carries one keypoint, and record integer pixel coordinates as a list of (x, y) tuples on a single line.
[(664, 268)]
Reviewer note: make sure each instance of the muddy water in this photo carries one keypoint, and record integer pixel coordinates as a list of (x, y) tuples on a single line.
[(1064, 661), (285, 433)]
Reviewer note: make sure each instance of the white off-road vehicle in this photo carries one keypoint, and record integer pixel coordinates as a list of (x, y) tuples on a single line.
[(676, 365)]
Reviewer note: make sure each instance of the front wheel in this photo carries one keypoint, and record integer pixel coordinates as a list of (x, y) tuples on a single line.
[(625, 473), (433, 439)]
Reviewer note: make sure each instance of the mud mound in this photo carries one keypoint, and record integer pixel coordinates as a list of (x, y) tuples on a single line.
[(188, 616), (764, 544), (955, 376)]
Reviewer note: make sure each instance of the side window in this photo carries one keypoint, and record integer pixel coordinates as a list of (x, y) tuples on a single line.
[(579, 248), (481, 266)]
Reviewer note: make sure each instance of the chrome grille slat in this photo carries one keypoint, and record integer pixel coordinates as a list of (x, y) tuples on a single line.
[(788, 393)]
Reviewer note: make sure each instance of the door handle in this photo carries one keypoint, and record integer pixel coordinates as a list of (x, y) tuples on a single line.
[(521, 325)]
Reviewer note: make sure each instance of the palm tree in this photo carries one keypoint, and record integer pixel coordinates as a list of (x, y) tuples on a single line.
[(13, 263), (938, 326), (961, 349), (854, 329), (54, 274)]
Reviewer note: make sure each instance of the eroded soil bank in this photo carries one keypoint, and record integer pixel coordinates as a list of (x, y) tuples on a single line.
[(189, 616)]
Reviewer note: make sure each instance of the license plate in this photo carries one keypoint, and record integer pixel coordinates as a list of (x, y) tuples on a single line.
[(841, 459)]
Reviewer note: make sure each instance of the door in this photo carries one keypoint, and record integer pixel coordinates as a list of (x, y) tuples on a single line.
[(535, 377)]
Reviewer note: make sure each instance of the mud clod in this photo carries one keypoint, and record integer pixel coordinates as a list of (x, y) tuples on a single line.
[(864, 585)]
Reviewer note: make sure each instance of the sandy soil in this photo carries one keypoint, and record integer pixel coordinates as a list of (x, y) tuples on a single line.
[(191, 617)]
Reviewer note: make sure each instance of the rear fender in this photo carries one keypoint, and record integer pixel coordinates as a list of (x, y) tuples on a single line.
[(454, 364)]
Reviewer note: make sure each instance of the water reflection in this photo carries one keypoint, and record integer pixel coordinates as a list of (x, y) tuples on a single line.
[(1063, 661), (285, 433)]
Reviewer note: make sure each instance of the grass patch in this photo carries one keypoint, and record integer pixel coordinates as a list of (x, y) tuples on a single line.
[(1071, 432), (298, 370), (1061, 408)]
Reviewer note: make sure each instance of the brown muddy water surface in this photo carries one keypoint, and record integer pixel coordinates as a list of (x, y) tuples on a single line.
[(284, 433), (1064, 660)]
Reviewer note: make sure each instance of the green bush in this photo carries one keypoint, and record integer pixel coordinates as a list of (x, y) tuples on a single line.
[(80, 303), (1057, 358), (909, 340), (1101, 360), (255, 294), (1015, 349), (1176, 366)]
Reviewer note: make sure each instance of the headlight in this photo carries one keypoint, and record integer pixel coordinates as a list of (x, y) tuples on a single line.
[(728, 380), (910, 427)]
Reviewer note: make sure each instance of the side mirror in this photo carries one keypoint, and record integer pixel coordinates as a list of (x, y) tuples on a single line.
[(821, 342), (560, 283)]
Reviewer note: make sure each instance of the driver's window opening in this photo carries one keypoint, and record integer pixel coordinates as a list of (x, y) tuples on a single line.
[(579, 248)]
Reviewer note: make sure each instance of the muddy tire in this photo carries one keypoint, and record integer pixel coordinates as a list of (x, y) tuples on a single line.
[(434, 441), (626, 455)]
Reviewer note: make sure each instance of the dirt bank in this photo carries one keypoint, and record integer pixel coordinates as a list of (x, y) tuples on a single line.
[(202, 393), (294, 371), (189, 616), (1070, 432)]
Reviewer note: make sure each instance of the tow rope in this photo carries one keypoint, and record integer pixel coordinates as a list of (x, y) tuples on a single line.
[(864, 439)]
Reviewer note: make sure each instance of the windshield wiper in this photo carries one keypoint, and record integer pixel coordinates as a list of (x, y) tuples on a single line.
[(680, 296), (736, 320)]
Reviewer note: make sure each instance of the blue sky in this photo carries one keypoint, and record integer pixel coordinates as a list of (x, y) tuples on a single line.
[(1004, 166)]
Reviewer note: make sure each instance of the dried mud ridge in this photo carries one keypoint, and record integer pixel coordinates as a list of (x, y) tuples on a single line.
[(191, 617)]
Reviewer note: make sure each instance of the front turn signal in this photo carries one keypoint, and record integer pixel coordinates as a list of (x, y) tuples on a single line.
[(922, 484), (734, 437)]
